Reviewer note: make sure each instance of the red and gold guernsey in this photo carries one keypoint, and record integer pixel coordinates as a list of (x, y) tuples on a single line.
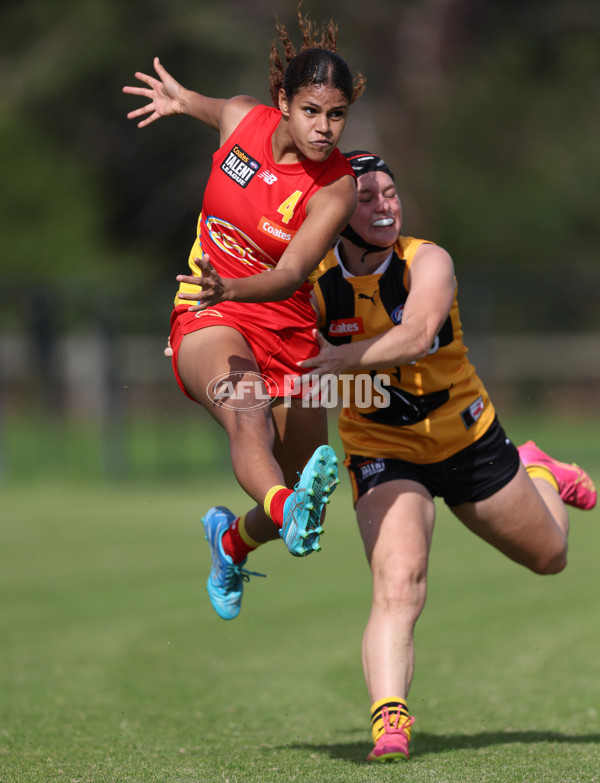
[(422, 412), (251, 210)]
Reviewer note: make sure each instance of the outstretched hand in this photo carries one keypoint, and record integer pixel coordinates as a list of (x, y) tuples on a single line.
[(165, 95), (214, 287), (328, 360)]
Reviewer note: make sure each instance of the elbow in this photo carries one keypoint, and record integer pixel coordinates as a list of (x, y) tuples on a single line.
[(425, 340), (284, 293), (291, 290), (288, 287), (422, 346)]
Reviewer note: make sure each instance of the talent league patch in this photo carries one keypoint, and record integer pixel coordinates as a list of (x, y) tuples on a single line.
[(240, 166)]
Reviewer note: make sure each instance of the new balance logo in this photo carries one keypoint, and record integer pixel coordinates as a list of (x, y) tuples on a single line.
[(268, 177)]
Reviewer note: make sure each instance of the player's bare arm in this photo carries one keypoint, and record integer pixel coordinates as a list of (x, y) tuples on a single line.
[(309, 245), (167, 97), (327, 212), (432, 287)]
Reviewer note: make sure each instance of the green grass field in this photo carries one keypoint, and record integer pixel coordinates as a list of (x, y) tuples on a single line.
[(115, 668)]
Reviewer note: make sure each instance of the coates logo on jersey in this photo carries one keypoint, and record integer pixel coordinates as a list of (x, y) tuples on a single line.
[(237, 244), (240, 166), (275, 231), (396, 314), (346, 327)]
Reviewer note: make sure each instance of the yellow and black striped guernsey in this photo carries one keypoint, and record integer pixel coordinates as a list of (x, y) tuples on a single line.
[(437, 405)]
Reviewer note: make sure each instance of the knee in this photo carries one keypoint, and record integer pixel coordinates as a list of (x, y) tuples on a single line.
[(252, 424), (552, 563), (400, 589)]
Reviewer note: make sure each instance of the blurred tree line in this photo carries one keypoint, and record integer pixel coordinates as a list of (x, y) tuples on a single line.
[(487, 110)]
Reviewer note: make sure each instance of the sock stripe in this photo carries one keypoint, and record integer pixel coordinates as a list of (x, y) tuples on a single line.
[(269, 497), (394, 706), (245, 536), (542, 472)]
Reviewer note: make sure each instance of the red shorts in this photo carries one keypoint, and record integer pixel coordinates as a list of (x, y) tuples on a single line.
[(277, 352)]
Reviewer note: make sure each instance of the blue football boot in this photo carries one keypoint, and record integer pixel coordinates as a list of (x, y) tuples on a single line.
[(303, 509), (225, 582)]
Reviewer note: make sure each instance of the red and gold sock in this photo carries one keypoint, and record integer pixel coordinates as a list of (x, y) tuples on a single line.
[(394, 705), (542, 472), (275, 501), (237, 542)]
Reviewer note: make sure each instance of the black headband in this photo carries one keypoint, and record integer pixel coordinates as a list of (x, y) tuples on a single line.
[(362, 163)]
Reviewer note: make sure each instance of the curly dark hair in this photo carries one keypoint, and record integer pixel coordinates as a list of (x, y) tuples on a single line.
[(316, 63)]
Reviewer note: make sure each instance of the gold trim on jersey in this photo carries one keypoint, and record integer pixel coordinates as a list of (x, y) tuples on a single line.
[(195, 252)]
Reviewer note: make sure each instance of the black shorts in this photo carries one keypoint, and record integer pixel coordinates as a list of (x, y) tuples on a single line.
[(475, 473)]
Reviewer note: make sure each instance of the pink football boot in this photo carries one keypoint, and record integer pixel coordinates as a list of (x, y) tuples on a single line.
[(393, 743), (576, 488)]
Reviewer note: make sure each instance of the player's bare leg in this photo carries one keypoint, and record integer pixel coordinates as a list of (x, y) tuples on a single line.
[(526, 520), (207, 358), (396, 521), (221, 352), (299, 430)]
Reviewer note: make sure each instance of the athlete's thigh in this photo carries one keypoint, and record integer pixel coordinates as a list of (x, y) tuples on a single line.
[(516, 521), (298, 432), (396, 521), (219, 370)]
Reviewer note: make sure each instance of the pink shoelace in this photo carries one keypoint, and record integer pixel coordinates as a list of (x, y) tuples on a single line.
[(397, 728)]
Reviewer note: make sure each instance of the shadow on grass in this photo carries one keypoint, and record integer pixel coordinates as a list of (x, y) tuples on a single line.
[(427, 744)]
